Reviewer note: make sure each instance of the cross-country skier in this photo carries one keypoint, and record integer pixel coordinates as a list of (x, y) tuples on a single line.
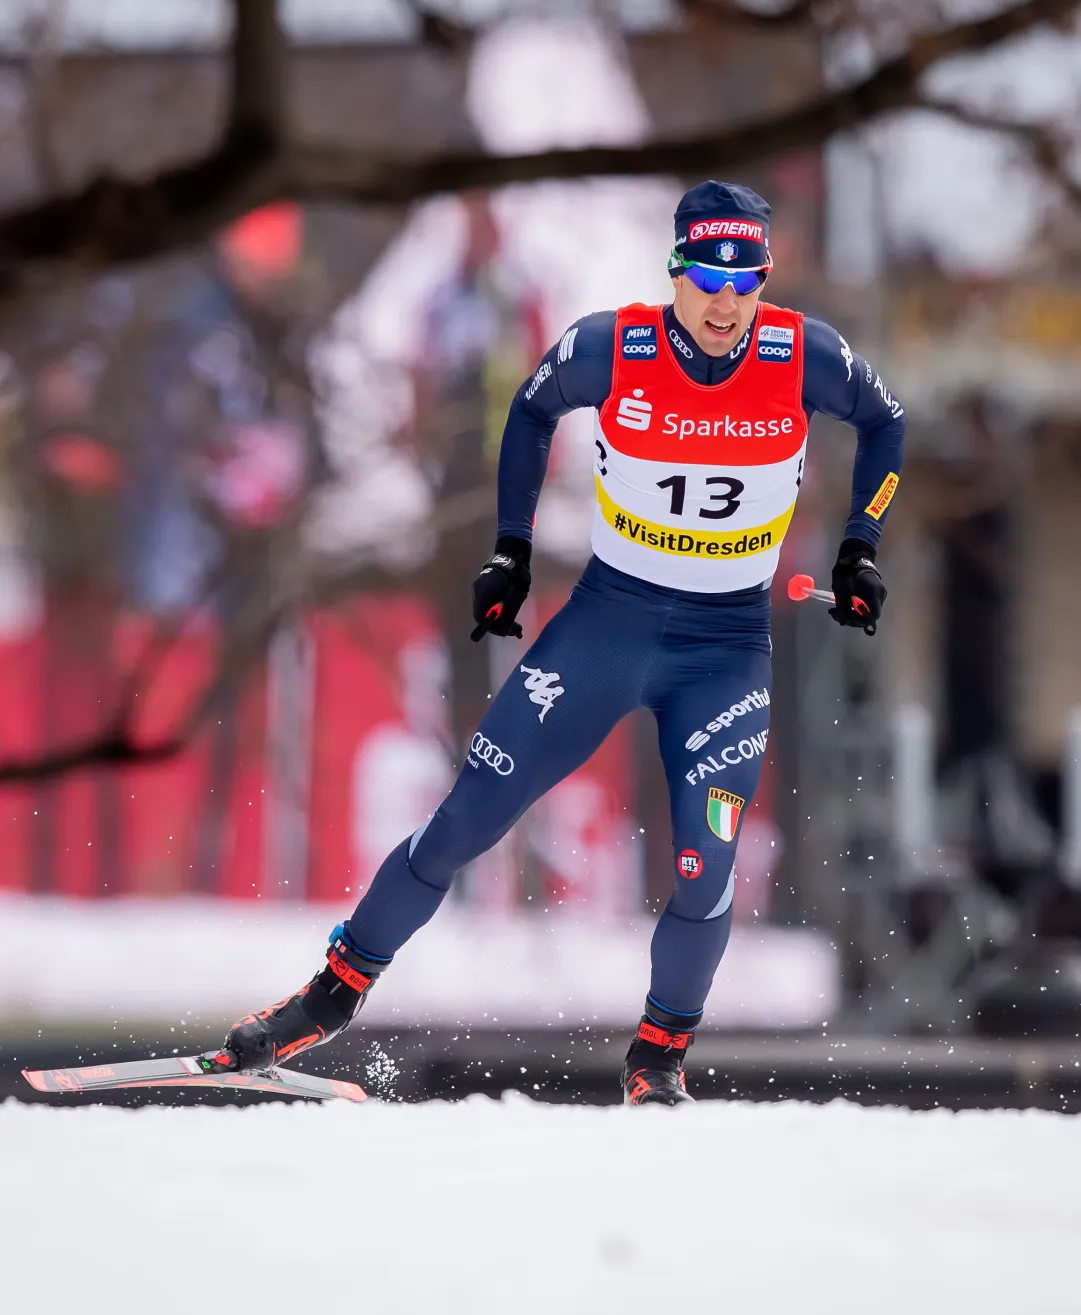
[(701, 432)]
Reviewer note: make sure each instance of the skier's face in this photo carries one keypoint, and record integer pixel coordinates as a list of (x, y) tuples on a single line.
[(716, 321)]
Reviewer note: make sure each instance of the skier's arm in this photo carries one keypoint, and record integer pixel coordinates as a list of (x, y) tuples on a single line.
[(841, 384), (576, 372)]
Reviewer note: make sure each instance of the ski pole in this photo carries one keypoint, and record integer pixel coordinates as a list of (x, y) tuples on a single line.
[(803, 586)]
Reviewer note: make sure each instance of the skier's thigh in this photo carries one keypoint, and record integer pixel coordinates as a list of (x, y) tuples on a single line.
[(562, 697), (713, 737)]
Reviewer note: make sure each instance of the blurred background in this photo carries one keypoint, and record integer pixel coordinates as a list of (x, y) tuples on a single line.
[(269, 278)]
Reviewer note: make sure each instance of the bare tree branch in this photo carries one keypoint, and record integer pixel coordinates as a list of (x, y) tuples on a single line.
[(258, 56), (795, 15), (113, 221), (1049, 149)]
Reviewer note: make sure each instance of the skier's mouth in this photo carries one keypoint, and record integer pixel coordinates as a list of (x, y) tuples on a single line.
[(722, 328)]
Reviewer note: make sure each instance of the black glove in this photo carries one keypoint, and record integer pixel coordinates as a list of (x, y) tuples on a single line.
[(501, 588), (857, 587)]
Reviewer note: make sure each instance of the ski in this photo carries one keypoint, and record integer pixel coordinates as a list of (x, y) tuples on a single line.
[(186, 1072)]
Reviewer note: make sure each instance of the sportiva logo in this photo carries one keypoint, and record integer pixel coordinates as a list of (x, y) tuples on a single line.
[(482, 750), (679, 344), (639, 340), (566, 345), (725, 228), (756, 699), (727, 425), (633, 414)]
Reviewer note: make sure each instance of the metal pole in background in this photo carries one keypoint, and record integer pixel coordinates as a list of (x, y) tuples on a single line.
[(1070, 859)]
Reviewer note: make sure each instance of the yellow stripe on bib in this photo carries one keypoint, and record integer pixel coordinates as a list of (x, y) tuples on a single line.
[(702, 543)]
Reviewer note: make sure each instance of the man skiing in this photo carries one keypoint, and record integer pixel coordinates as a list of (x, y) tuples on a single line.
[(702, 415)]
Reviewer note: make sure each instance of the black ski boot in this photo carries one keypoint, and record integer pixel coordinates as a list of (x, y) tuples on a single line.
[(314, 1014), (653, 1069)]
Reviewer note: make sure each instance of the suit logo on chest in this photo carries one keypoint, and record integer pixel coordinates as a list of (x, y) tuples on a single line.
[(639, 340), (632, 413)]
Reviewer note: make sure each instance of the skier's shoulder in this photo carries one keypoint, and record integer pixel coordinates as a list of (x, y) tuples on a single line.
[(582, 360)]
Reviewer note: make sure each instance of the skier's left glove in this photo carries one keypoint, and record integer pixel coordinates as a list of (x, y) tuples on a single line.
[(857, 587), (501, 588)]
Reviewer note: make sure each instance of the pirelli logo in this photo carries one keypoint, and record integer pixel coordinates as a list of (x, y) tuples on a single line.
[(883, 497)]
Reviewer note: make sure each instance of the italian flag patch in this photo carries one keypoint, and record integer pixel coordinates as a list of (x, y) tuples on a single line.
[(722, 813)]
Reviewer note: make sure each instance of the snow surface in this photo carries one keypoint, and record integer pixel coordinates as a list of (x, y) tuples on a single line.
[(516, 1206)]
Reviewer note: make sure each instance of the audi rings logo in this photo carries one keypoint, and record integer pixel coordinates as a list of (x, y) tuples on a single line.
[(487, 752), (679, 344)]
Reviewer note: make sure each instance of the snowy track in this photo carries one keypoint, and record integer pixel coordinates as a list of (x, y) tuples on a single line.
[(519, 1208)]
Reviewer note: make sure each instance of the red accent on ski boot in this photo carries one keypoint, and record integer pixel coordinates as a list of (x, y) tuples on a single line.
[(653, 1070), (317, 1012)]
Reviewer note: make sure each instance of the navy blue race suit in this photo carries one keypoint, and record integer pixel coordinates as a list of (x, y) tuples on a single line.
[(700, 661)]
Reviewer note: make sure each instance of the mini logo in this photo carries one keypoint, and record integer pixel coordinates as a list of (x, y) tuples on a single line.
[(542, 688), (633, 414), (679, 344), (726, 251), (486, 752), (639, 340), (722, 813), (689, 864)]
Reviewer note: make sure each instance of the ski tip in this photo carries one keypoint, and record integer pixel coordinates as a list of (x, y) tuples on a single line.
[(348, 1090), (800, 586), (36, 1078)]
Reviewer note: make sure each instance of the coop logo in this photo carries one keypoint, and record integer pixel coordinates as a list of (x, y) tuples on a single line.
[(775, 343), (482, 750), (756, 699), (639, 340), (725, 228), (632, 413)]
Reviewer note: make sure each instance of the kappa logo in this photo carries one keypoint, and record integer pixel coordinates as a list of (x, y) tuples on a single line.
[(484, 751), (542, 688), (639, 340), (722, 813), (846, 353), (633, 414)]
